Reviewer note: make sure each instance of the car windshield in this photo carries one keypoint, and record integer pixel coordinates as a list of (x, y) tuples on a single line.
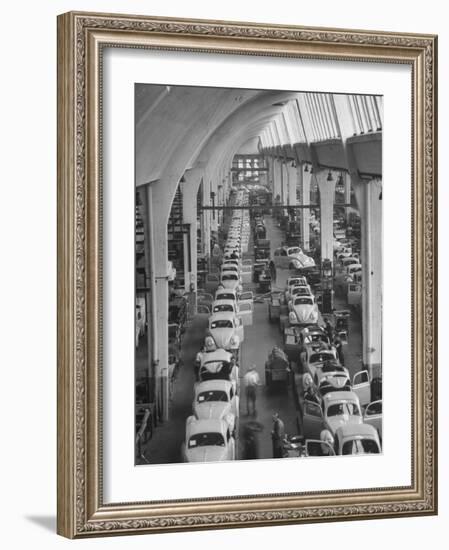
[(212, 395), (225, 296), (223, 307), (303, 302), (320, 357), (222, 323), (360, 446), (294, 250), (206, 439), (332, 367), (229, 268), (229, 277), (300, 290), (344, 407)]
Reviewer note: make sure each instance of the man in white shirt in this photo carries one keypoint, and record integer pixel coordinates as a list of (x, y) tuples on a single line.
[(251, 381)]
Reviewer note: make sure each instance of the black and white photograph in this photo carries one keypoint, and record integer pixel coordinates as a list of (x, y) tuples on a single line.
[(258, 274)]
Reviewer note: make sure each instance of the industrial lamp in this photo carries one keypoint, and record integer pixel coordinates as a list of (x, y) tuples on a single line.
[(329, 176)]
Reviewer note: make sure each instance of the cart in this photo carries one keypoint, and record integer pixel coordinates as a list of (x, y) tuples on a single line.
[(265, 281), (274, 305), (341, 317), (277, 367)]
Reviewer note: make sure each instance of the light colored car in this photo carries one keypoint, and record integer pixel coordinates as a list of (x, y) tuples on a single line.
[(313, 359), (225, 305), (226, 268), (226, 330), (292, 257), (231, 280), (216, 399), (208, 440), (357, 439), (295, 291), (333, 411), (303, 310), (332, 376), (218, 365)]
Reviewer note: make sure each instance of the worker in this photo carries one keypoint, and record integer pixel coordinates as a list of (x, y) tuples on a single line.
[(339, 349), (278, 436), (251, 381), (310, 391)]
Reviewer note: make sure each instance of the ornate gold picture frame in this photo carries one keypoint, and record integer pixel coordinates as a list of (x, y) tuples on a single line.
[(82, 39)]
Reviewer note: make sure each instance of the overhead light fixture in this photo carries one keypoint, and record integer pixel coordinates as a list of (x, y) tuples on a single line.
[(340, 180), (293, 164), (279, 104), (306, 169), (311, 169), (329, 176)]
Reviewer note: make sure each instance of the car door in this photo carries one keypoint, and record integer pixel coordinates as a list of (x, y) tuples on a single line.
[(239, 328), (246, 297), (312, 420), (373, 416), (316, 447), (362, 387), (246, 274), (284, 260), (212, 280), (246, 313)]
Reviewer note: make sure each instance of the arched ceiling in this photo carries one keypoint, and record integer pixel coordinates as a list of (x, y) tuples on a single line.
[(182, 127)]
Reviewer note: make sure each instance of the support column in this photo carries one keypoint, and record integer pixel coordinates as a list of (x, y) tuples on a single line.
[(189, 216), (305, 200), (347, 184), (292, 177), (277, 179), (327, 199), (284, 183), (369, 198), (158, 203)]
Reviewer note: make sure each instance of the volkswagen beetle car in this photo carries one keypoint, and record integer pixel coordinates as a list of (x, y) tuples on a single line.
[(226, 330), (216, 399), (231, 280), (357, 439), (303, 310), (208, 440), (292, 257), (312, 358), (218, 365)]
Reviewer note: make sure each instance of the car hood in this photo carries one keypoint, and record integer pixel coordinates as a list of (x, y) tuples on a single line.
[(334, 422), (206, 454), (230, 284), (222, 336), (306, 261), (212, 409), (304, 313)]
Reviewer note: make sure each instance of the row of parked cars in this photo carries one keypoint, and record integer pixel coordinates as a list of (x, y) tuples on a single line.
[(335, 409), (211, 431)]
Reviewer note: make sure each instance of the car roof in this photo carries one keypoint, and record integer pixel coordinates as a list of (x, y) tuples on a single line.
[(354, 430), (336, 396), (217, 355), (208, 385), (228, 315), (221, 302), (205, 425), (225, 291)]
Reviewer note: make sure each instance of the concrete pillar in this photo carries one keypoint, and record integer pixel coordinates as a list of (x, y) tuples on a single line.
[(327, 199), (347, 184), (305, 200), (189, 215), (207, 218), (284, 183), (369, 199), (277, 179), (159, 197), (292, 177)]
